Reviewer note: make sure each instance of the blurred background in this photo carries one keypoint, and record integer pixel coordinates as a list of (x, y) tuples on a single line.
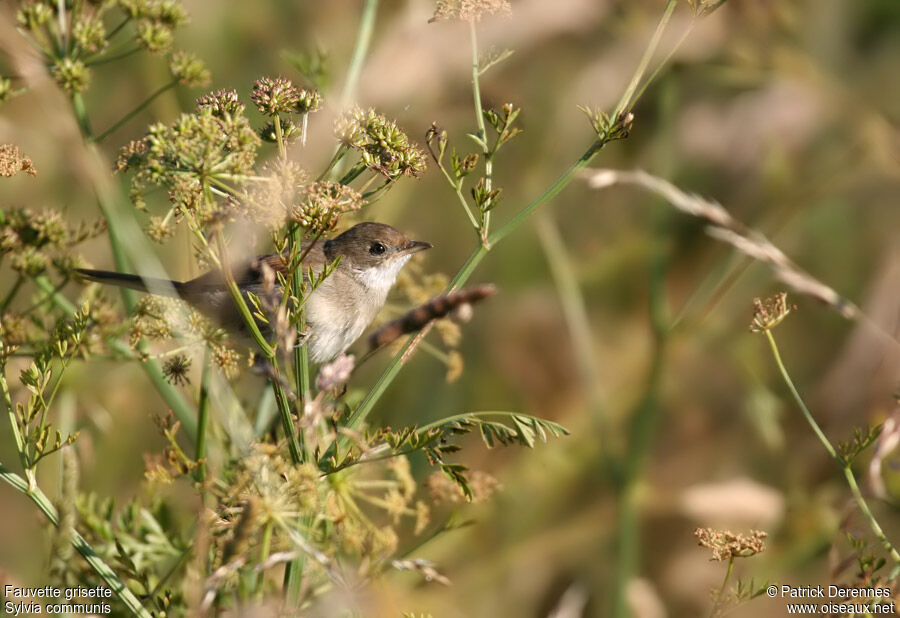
[(785, 113)]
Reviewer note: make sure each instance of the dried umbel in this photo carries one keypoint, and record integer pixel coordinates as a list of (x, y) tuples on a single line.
[(726, 544), (12, 161), (769, 313), (469, 10)]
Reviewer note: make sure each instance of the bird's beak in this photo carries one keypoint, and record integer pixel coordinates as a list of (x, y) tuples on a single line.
[(414, 246)]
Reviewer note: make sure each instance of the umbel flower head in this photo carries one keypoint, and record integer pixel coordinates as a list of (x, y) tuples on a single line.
[(769, 313), (322, 203), (221, 103), (469, 10), (187, 154), (383, 145), (273, 96), (726, 544)]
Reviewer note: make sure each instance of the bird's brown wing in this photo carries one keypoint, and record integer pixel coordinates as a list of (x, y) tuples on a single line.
[(250, 273)]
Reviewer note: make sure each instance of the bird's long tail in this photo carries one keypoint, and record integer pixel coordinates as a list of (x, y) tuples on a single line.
[(160, 287)]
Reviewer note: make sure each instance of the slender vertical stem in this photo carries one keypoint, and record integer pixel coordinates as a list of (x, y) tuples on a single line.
[(281, 398), (627, 97), (279, 138), (720, 595), (203, 416), (645, 418), (482, 131), (264, 549), (12, 292), (81, 116), (363, 39)]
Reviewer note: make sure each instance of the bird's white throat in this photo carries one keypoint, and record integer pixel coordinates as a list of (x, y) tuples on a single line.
[(379, 279)]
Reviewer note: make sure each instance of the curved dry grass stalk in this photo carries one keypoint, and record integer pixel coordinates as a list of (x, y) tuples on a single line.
[(725, 228)]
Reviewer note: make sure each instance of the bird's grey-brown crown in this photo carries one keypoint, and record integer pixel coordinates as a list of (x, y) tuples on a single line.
[(369, 244)]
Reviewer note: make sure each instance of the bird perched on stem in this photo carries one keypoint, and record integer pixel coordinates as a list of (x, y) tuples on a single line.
[(337, 311)]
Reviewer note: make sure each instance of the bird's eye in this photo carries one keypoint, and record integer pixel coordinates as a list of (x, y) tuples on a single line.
[(376, 248)]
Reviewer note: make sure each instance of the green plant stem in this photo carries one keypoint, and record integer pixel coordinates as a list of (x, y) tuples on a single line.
[(562, 269), (717, 603), (82, 546), (264, 549), (137, 110), (845, 465), (457, 188), (301, 351), (279, 138), (108, 59), (203, 416), (12, 292), (81, 116), (626, 101), (645, 418), (363, 39), (281, 398), (482, 131)]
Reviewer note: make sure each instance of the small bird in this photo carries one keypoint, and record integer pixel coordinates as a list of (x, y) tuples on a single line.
[(337, 312)]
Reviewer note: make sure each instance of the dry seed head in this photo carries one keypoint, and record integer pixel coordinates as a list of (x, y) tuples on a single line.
[(469, 10), (176, 368), (726, 544), (12, 161), (769, 313)]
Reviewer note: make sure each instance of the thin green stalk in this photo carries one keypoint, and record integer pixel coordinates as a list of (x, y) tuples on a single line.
[(562, 269), (264, 549), (81, 546), (363, 39), (845, 465), (116, 30), (203, 416), (482, 131), (714, 610), (137, 110), (561, 183), (281, 398), (12, 292), (108, 59), (626, 101), (81, 115), (457, 188), (13, 421), (645, 418), (279, 138)]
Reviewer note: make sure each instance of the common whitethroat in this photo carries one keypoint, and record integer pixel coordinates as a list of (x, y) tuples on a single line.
[(337, 311)]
